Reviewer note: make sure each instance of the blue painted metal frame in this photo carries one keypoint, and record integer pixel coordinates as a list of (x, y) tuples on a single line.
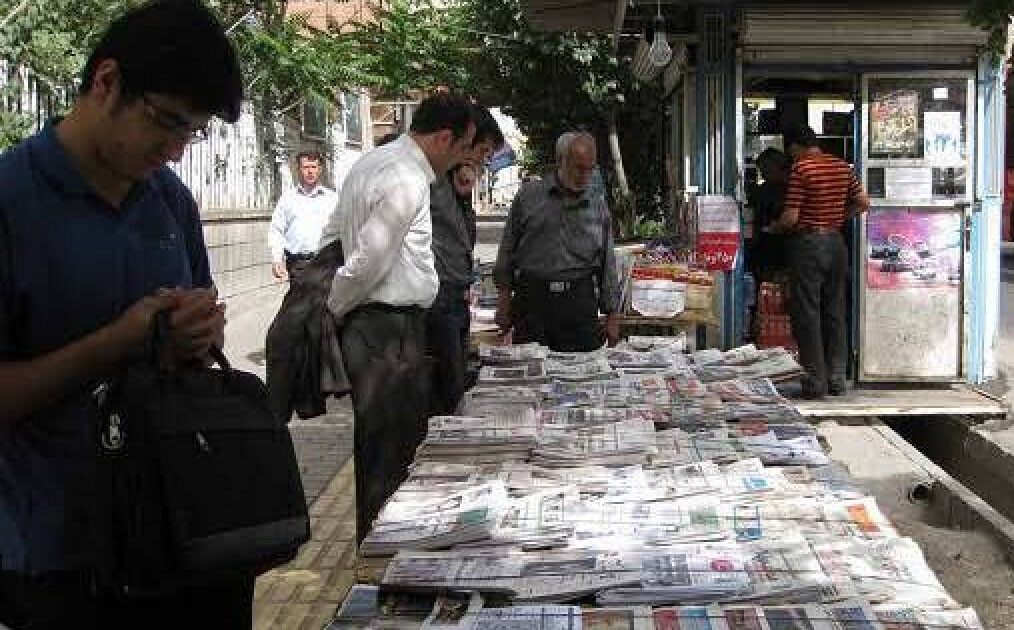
[(733, 281), (983, 258)]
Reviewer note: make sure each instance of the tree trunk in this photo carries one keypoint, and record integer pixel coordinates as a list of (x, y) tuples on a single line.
[(614, 152), (264, 115)]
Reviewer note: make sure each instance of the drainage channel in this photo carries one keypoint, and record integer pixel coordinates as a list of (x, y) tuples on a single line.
[(965, 506)]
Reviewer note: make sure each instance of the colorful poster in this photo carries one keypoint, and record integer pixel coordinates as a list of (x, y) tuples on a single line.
[(913, 249), (894, 124), (942, 138)]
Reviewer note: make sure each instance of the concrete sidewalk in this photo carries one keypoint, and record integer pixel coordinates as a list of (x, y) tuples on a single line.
[(305, 593)]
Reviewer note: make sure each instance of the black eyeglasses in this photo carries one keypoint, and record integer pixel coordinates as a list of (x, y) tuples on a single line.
[(174, 124)]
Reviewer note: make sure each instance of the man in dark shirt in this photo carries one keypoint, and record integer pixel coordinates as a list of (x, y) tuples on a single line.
[(823, 193), (556, 268), (768, 199), (96, 236), (447, 320)]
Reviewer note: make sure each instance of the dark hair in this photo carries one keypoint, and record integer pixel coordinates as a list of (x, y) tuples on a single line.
[(443, 111), (800, 134), (486, 128), (774, 157), (387, 138), (172, 47), (314, 156)]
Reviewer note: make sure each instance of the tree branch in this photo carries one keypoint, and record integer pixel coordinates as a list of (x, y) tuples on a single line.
[(10, 16)]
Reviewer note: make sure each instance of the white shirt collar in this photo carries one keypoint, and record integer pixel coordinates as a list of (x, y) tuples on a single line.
[(412, 148), (317, 190)]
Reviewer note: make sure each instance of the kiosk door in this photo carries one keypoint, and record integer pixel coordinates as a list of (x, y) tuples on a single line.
[(917, 163)]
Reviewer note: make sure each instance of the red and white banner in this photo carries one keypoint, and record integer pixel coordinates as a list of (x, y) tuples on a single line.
[(717, 232)]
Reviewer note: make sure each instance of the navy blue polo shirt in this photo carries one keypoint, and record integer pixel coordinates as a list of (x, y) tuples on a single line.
[(71, 263)]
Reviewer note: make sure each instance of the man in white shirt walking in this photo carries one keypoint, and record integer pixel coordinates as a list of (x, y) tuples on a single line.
[(299, 218), (388, 280)]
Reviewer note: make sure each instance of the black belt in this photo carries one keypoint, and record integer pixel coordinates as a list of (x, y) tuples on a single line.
[(551, 285), (294, 258)]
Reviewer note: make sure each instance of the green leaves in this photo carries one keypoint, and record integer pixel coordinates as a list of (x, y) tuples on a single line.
[(413, 46), (993, 16)]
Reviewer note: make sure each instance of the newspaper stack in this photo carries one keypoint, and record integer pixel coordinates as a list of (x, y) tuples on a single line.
[(604, 525), (759, 390), (623, 443), (463, 517), (457, 438), (636, 391), (746, 363), (908, 617), (507, 355), (630, 359), (530, 618), (885, 570), (760, 572), (676, 344), (487, 571), (537, 520), (597, 369), (524, 478), (495, 395), (520, 374), (527, 577), (811, 518), (590, 416)]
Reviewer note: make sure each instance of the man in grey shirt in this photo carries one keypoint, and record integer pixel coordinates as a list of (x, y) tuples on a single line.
[(556, 268), (448, 319)]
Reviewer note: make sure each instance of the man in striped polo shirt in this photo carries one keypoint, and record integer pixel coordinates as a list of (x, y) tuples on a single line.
[(823, 192)]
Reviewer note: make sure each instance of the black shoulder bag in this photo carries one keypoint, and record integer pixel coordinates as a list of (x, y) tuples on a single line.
[(203, 478)]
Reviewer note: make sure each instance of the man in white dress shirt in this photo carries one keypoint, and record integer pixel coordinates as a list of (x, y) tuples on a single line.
[(388, 280), (299, 218)]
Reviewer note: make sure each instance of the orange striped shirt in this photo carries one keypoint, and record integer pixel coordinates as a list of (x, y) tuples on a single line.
[(821, 188)]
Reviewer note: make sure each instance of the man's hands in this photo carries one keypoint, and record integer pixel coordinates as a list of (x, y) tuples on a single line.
[(612, 329), (196, 321), (503, 310), (279, 270)]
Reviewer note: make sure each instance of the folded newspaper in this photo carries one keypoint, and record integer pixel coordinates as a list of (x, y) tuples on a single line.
[(490, 354), (521, 374), (426, 524)]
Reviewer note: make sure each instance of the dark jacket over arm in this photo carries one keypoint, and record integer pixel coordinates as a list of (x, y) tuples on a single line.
[(304, 356)]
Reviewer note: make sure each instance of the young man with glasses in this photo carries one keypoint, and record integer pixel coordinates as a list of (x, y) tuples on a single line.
[(96, 236)]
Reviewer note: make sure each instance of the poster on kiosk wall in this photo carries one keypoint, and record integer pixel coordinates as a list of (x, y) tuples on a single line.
[(717, 232), (913, 249)]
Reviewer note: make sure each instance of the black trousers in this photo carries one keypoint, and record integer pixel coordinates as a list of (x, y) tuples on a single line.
[(384, 352), (70, 600), (818, 272), (563, 316), (447, 322)]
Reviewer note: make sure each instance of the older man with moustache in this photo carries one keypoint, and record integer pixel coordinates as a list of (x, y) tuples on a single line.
[(556, 269)]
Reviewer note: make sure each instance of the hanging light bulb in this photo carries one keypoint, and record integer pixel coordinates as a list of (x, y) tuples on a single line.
[(660, 52)]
